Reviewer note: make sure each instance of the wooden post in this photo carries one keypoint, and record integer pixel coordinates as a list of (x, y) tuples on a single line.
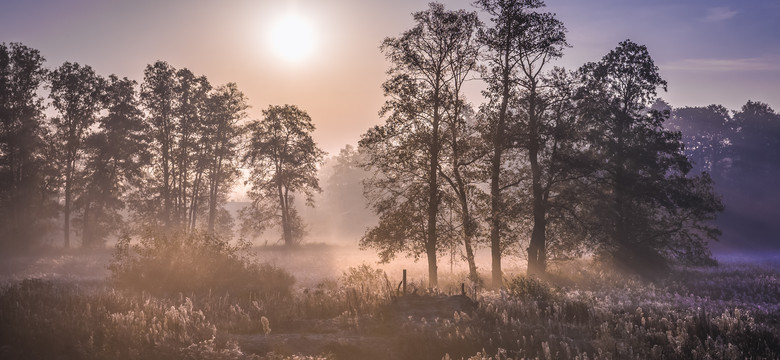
[(463, 289), (404, 281)]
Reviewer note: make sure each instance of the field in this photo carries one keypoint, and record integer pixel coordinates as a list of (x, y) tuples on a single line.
[(61, 305)]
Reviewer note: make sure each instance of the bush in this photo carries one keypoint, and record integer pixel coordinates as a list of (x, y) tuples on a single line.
[(529, 288), (175, 262)]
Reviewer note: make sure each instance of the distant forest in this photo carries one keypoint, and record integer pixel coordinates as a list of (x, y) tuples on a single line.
[(552, 164)]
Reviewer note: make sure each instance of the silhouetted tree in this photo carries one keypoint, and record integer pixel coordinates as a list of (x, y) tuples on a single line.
[(645, 207), (115, 156), (708, 134), (76, 93), (757, 144), (419, 96), (155, 203), (226, 107), (344, 209), (191, 94), (552, 136), (521, 41), (188, 121), (26, 199), (283, 159)]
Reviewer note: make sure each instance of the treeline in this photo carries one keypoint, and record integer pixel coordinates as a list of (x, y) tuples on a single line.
[(552, 164), (165, 153), (741, 150)]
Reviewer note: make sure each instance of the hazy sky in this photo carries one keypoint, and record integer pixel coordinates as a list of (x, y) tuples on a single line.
[(709, 51)]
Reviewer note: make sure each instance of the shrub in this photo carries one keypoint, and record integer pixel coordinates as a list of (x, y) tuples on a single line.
[(175, 262), (529, 288)]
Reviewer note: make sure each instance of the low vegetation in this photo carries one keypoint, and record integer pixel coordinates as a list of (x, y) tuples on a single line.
[(580, 311)]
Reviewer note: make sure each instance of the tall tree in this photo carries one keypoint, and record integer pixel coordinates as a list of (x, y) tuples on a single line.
[(647, 208), (553, 138), (191, 95), (77, 94), (226, 108), (708, 134), (158, 100), (461, 139), (283, 159), (25, 200), (520, 42), (115, 156), (177, 107), (419, 92)]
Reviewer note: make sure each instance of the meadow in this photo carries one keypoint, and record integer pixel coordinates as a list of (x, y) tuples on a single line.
[(328, 302)]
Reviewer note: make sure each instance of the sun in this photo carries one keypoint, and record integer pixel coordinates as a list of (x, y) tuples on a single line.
[(292, 38)]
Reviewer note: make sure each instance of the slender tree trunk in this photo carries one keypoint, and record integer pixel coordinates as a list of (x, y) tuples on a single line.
[(495, 170), (87, 238), (194, 203), (166, 191), (66, 210), (468, 231), (433, 195), (537, 249), (213, 195), (467, 222), (286, 231)]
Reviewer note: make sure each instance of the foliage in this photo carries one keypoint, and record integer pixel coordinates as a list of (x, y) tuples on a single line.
[(170, 262), (648, 209), (283, 159), (76, 92), (114, 156), (428, 63), (26, 171), (529, 288)]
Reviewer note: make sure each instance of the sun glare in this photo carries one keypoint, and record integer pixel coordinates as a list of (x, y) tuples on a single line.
[(292, 38)]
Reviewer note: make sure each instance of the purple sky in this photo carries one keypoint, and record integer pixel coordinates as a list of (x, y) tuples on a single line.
[(709, 51)]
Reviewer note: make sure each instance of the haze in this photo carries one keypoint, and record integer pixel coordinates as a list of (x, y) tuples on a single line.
[(710, 52)]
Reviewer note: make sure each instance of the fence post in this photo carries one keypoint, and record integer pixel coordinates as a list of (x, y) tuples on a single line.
[(404, 281)]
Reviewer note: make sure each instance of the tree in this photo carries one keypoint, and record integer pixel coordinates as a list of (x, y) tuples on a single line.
[(647, 210), (708, 134), (342, 212), (461, 139), (115, 156), (419, 93), (283, 159), (77, 94), (25, 197), (226, 108), (552, 137), (191, 94), (184, 115), (158, 100), (520, 43)]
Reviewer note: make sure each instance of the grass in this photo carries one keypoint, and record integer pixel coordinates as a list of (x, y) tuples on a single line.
[(581, 311)]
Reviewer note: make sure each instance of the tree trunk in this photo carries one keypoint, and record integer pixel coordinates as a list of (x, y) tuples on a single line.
[(537, 249), (537, 252), (468, 231), (286, 230), (214, 193), (66, 210), (495, 172), (433, 194), (433, 274), (87, 238)]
